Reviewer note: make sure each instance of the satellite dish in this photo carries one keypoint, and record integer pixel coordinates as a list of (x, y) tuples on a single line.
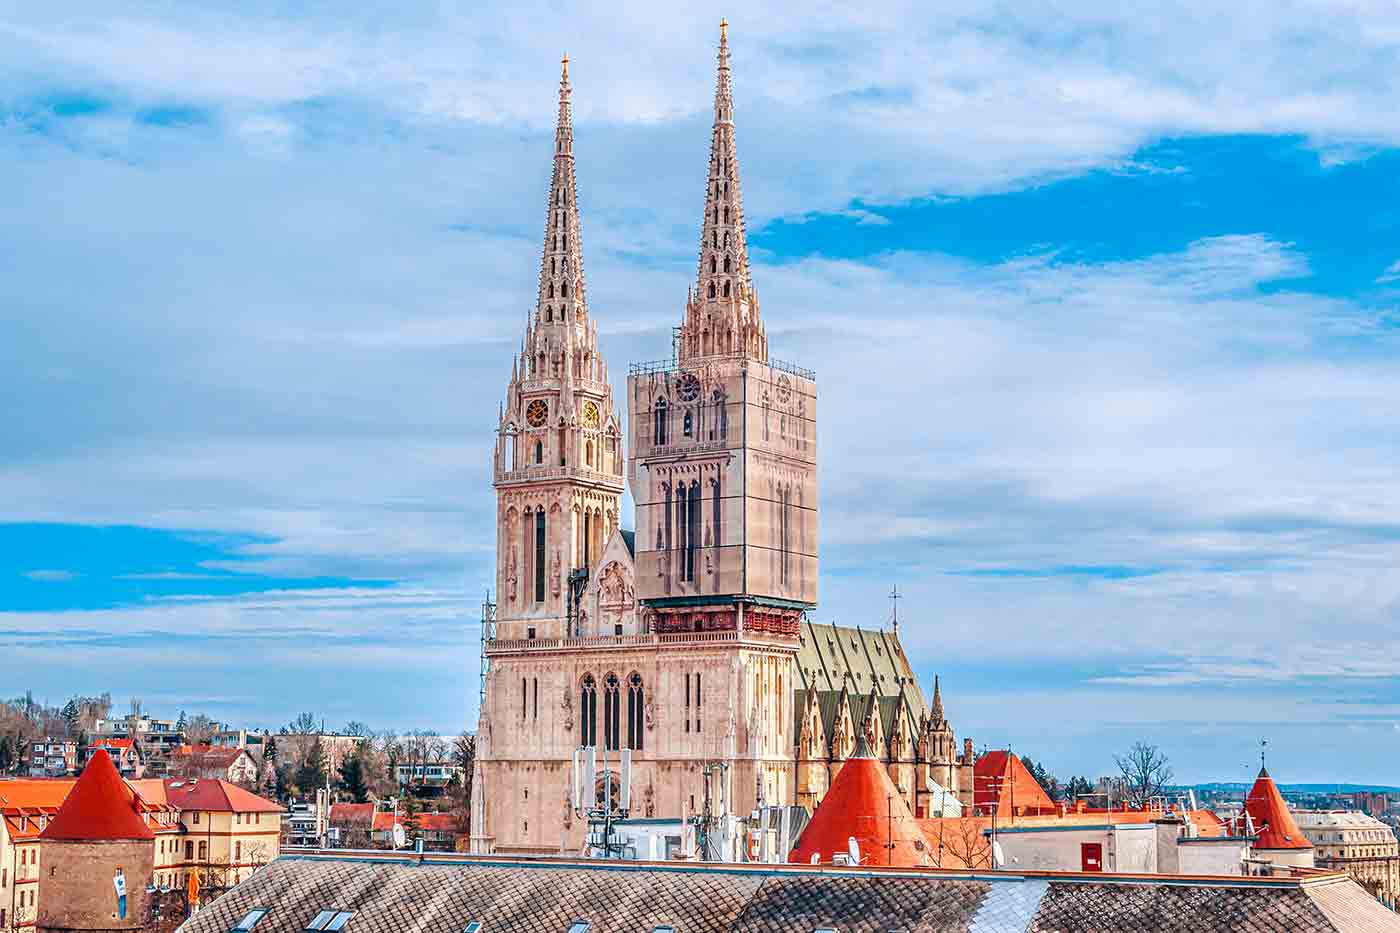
[(853, 850), (400, 837)]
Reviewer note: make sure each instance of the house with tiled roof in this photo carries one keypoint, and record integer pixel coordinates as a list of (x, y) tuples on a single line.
[(213, 762), (387, 893), (125, 754), (210, 828)]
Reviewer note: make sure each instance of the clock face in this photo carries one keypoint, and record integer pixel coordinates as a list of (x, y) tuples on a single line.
[(784, 388), (688, 387), (537, 412), (590, 414)]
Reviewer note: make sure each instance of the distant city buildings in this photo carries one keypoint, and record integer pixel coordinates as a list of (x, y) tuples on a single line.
[(1358, 844), (52, 757)]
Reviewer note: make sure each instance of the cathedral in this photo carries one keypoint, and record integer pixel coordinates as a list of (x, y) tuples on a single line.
[(687, 641)]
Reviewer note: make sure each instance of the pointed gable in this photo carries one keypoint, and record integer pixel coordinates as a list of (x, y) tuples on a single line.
[(863, 804), (1001, 784), (1273, 821), (99, 807)]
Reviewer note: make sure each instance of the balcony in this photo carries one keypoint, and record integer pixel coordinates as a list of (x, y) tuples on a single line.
[(542, 471), (626, 642)]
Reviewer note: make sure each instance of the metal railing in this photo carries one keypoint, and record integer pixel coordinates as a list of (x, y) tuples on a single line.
[(651, 367), (650, 639)]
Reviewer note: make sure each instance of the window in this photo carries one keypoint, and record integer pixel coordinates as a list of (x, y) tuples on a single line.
[(580, 926), (196, 817), (473, 927), (330, 920), (539, 556), (636, 711), (250, 919), (203, 851), (189, 851), (238, 851), (536, 697), (663, 929), (659, 431), (539, 452), (588, 710), (611, 719), (687, 425)]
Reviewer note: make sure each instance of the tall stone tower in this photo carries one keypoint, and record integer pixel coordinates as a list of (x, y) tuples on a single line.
[(558, 456), (722, 442)]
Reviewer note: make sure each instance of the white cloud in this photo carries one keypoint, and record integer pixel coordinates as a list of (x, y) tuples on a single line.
[(51, 576), (1391, 273)]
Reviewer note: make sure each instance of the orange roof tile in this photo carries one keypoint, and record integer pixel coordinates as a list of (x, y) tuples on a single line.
[(100, 806), (863, 804), (1001, 782), (1273, 822)]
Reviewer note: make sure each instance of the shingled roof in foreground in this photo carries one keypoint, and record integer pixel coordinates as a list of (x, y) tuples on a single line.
[(444, 894)]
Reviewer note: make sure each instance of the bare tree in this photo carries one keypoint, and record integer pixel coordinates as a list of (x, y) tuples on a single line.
[(464, 757), (199, 729), (962, 844), (1146, 772)]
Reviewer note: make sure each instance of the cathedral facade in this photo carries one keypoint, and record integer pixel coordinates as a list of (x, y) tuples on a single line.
[(687, 642)]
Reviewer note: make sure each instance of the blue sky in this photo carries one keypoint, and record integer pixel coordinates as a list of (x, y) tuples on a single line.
[(1103, 309)]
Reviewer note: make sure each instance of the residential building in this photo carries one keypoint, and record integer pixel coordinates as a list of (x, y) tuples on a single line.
[(371, 826), (125, 754), (155, 736), (99, 850), (434, 775), (385, 891), (207, 761), (192, 840), (1358, 844), (53, 757)]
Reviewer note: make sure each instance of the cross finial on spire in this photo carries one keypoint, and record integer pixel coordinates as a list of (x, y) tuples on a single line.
[(1263, 743), (565, 62), (723, 31), (894, 607)]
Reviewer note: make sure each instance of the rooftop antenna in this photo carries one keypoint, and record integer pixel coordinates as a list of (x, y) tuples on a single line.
[(1263, 744), (894, 608)]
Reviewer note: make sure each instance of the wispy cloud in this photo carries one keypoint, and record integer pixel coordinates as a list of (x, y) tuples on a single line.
[(50, 576)]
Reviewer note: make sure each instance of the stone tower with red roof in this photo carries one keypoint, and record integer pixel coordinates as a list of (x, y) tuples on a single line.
[(98, 857)]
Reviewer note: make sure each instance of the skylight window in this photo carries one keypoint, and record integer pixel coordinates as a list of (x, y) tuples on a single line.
[(250, 920), (580, 926), (473, 927), (330, 920), (663, 929)]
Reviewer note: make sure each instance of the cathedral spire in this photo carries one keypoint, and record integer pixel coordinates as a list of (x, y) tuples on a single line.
[(562, 297), (937, 701), (722, 313)]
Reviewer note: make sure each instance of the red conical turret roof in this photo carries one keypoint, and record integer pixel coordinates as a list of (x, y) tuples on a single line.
[(863, 803), (99, 807), (1273, 821), (1002, 783)]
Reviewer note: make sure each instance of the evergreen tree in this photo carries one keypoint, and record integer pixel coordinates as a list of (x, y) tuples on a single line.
[(7, 754), (181, 723), (71, 714), (311, 773), (351, 777)]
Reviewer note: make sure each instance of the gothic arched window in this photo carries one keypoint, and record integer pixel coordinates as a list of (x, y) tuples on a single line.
[(726, 240), (726, 213), (693, 532), (611, 713), (635, 711), (726, 289), (687, 425), (712, 289), (539, 452), (588, 711), (551, 290), (659, 431), (712, 265), (588, 453), (726, 263), (564, 289), (548, 314)]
